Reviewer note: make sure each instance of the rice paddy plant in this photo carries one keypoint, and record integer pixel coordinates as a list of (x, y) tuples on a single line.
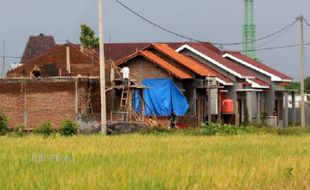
[(155, 162)]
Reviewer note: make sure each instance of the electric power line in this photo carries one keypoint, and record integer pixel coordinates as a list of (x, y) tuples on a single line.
[(196, 40), (280, 47), (275, 38), (306, 21), (13, 57)]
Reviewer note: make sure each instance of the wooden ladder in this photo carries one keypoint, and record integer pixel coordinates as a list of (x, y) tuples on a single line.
[(124, 99)]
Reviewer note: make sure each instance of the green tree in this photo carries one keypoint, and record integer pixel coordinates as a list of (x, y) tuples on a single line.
[(307, 85), (293, 86), (296, 85), (88, 37)]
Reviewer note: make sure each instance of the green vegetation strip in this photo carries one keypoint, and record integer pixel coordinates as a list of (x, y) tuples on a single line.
[(176, 161)]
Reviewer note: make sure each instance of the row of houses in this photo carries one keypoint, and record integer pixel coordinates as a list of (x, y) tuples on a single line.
[(217, 85)]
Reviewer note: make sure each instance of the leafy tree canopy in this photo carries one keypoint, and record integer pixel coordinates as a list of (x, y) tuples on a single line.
[(88, 37), (296, 85)]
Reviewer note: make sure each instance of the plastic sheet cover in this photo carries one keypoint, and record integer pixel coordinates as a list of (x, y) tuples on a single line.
[(161, 98)]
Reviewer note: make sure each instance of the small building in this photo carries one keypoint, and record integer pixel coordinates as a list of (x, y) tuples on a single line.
[(67, 84), (66, 88), (159, 61), (36, 46)]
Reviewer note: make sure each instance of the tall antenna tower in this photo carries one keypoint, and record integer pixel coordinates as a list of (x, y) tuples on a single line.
[(249, 30)]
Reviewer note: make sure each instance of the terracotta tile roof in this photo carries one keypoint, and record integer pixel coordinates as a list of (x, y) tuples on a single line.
[(218, 75), (159, 61), (117, 51), (259, 65), (83, 63), (235, 67), (183, 60), (164, 64), (36, 46)]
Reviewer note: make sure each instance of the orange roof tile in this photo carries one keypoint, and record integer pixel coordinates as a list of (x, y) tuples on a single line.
[(165, 65), (183, 60)]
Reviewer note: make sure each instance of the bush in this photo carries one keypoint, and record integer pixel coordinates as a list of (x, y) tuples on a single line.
[(68, 128), (156, 130), (3, 124), (19, 130), (218, 129), (45, 129)]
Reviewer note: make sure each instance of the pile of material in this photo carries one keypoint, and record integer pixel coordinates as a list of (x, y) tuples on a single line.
[(124, 128)]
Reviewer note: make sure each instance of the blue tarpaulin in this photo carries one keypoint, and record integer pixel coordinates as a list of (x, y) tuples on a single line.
[(162, 98)]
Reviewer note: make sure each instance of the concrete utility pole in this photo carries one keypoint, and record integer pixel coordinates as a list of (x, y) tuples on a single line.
[(302, 72), (102, 70), (3, 61)]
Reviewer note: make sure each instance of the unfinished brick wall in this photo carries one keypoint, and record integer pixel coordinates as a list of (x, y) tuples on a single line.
[(141, 68), (12, 103), (52, 102)]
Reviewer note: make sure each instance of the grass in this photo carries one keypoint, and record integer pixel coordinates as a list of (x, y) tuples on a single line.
[(169, 161)]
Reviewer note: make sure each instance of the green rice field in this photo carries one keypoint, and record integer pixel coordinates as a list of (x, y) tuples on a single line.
[(173, 161)]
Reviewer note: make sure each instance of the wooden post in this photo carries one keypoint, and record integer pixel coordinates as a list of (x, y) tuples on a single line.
[(142, 103), (129, 104)]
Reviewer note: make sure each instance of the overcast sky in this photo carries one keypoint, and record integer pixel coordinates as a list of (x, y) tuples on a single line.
[(207, 20)]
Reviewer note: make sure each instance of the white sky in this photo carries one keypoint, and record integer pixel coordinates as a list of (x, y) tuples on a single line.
[(207, 20)]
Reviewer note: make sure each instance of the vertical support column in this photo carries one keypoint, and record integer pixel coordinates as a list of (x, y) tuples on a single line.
[(24, 85), (242, 109), (236, 107), (102, 71), (76, 98), (293, 109), (285, 112), (209, 105), (258, 113), (270, 98), (249, 105), (68, 61), (219, 119)]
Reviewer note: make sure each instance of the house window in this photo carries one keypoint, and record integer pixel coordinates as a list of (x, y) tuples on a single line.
[(50, 70)]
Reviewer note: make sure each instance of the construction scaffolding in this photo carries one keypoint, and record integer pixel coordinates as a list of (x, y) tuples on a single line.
[(123, 101)]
